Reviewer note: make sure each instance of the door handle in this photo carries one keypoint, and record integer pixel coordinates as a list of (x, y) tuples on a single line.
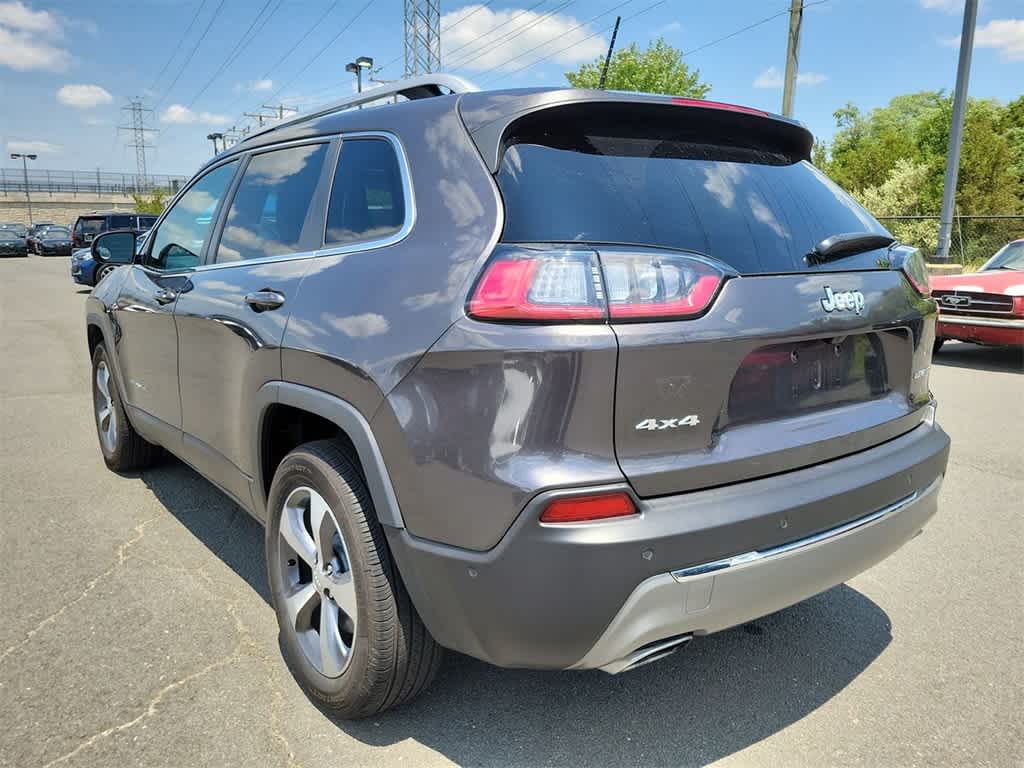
[(265, 300), (163, 296)]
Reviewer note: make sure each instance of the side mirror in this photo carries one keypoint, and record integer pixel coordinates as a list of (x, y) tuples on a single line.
[(114, 247)]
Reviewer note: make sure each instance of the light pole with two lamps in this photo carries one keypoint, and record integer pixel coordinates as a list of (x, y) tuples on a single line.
[(24, 169), (356, 67)]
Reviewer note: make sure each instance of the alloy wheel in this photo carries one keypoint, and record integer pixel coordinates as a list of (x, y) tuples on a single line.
[(106, 415), (318, 591)]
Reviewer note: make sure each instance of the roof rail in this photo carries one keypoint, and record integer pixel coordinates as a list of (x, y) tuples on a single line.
[(418, 87)]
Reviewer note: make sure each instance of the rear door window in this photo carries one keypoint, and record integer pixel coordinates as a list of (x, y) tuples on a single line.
[(755, 211), (121, 222), (270, 209), (367, 198)]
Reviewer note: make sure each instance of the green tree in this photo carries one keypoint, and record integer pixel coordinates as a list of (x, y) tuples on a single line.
[(659, 69), (154, 202), (901, 194)]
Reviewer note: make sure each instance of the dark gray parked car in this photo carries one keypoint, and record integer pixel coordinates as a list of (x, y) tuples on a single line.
[(555, 378)]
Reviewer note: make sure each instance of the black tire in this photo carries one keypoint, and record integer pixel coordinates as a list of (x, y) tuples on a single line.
[(393, 657), (127, 450), (937, 345)]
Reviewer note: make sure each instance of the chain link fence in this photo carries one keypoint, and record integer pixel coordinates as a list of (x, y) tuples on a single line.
[(974, 238), (86, 182)]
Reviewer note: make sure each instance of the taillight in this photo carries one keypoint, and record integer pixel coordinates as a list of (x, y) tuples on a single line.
[(582, 509), (646, 286), (578, 286), (526, 285), (916, 271)]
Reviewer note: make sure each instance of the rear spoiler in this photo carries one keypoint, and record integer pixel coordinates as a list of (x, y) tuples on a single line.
[(498, 119)]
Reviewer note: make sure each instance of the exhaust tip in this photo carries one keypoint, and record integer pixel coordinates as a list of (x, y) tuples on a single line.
[(646, 654)]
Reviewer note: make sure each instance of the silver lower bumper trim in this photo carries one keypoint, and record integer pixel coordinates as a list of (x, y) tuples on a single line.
[(793, 546), (987, 322), (708, 598)]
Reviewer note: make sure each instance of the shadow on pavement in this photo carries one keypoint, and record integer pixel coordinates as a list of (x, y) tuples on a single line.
[(222, 526), (717, 696), (963, 355)]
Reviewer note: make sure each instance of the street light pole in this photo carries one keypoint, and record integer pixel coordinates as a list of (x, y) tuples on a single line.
[(24, 170), (356, 67), (956, 130)]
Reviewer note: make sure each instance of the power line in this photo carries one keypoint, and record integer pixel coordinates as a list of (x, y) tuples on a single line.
[(578, 42), (747, 28), (463, 18), (473, 54), (321, 52), (240, 46), (497, 26), (560, 34), (191, 53), (177, 46)]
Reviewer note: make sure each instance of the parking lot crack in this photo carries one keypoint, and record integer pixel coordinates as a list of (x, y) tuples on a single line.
[(122, 558), (151, 709)]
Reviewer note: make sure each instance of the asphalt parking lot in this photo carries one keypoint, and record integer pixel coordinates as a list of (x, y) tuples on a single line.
[(137, 631)]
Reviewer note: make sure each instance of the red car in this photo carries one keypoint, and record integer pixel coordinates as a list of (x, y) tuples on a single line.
[(986, 307)]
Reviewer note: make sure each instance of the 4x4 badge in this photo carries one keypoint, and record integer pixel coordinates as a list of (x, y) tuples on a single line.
[(843, 301)]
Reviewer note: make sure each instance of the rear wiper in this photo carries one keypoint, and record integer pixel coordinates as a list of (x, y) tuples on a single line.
[(847, 244)]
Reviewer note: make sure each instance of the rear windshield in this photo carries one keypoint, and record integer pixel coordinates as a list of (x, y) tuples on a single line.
[(89, 226), (756, 211)]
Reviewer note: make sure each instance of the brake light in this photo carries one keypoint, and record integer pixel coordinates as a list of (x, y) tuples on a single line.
[(540, 286), (580, 286), (718, 105), (646, 286), (916, 271), (582, 509)]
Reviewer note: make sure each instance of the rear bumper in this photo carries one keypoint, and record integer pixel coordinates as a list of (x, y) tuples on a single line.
[(996, 331), (713, 596), (589, 595)]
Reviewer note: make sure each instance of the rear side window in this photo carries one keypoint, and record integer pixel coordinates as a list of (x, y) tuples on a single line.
[(269, 211), (121, 222), (367, 201), (146, 222), (756, 211)]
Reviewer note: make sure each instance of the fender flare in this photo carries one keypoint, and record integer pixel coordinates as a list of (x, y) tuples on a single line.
[(347, 418)]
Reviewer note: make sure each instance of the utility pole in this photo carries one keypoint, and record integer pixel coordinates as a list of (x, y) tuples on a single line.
[(956, 130), (137, 125), (24, 170), (260, 117), (796, 18), (280, 109), (422, 36), (608, 58)]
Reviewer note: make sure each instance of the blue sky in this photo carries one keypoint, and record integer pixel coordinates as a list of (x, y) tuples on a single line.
[(67, 66)]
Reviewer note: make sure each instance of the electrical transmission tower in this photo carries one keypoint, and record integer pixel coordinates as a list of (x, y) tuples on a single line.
[(137, 125), (422, 36)]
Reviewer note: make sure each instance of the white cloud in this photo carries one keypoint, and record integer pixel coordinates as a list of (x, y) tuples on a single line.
[(949, 6), (182, 115), (1004, 35), (17, 15), (22, 51), (480, 38), (33, 147), (83, 96), (672, 26), (772, 78), (256, 86)]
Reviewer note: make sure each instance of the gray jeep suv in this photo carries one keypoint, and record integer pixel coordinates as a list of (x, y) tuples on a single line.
[(558, 379)]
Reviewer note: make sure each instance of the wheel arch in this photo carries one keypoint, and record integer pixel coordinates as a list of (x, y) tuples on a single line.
[(319, 415)]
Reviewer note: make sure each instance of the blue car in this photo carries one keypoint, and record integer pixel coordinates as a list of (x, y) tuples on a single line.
[(85, 270)]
